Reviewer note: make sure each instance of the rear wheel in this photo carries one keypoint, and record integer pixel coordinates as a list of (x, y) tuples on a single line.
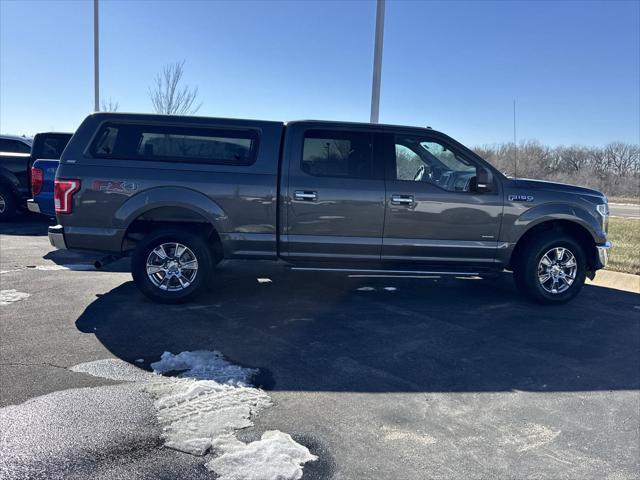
[(8, 204), (551, 269), (171, 266)]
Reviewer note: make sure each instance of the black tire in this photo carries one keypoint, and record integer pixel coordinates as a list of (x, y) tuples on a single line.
[(526, 269), (8, 204), (148, 283)]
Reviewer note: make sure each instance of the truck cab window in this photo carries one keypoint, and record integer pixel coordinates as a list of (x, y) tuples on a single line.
[(14, 146), (337, 154), (421, 160)]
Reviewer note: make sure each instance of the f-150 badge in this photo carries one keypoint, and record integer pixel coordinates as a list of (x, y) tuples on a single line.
[(521, 198)]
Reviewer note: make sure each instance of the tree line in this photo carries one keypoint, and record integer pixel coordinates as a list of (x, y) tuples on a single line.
[(613, 169)]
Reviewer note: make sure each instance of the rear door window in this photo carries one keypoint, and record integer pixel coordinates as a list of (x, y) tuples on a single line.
[(337, 153), (176, 144)]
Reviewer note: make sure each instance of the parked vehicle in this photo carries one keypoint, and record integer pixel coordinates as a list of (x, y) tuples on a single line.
[(182, 193), (45, 155), (14, 174)]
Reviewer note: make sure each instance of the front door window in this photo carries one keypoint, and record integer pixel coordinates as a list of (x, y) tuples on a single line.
[(421, 160)]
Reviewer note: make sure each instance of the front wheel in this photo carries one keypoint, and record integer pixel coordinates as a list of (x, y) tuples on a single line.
[(171, 266), (552, 269)]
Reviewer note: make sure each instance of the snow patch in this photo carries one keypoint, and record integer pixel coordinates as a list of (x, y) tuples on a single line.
[(194, 413), (275, 456), (202, 407), (204, 365), (11, 296)]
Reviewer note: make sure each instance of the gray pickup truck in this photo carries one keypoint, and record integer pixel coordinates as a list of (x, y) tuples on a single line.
[(179, 194)]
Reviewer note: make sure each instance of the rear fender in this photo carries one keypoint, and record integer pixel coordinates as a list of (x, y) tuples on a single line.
[(177, 197), (8, 179)]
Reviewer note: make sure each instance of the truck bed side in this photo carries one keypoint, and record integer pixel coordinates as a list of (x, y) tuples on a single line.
[(121, 196)]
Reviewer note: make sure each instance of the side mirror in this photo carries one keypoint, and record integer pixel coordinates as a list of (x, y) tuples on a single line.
[(484, 180)]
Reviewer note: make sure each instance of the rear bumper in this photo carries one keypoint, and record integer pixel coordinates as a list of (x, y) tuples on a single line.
[(56, 237), (32, 206), (107, 240), (603, 255)]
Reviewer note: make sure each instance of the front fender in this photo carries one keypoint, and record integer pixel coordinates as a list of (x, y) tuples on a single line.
[(556, 211), (179, 197)]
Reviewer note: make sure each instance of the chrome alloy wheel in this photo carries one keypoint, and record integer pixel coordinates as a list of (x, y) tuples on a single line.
[(557, 270), (3, 204), (172, 267)]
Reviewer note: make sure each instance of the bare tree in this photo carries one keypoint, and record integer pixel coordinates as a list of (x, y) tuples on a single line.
[(167, 96), (109, 105)]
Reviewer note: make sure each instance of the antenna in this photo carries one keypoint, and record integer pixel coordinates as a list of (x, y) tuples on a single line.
[(515, 145)]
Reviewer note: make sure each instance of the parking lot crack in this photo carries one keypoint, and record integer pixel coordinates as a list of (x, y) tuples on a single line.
[(27, 364)]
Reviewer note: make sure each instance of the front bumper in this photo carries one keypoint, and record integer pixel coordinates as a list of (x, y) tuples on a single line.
[(32, 206), (56, 237), (603, 255)]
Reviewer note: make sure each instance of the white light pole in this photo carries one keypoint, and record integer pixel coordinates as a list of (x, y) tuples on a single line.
[(96, 59), (377, 62)]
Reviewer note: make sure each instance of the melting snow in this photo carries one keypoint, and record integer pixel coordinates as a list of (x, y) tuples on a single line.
[(204, 365), (10, 296), (275, 456), (193, 414), (202, 407)]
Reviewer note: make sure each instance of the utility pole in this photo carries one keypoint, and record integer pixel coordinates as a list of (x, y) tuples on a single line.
[(515, 144), (96, 59), (377, 62)]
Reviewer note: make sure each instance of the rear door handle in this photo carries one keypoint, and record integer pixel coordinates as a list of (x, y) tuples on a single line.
[(401, 199), (305, 196)]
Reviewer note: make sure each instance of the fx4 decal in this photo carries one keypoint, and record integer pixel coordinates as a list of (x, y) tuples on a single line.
[(521, 198), (114, 186)]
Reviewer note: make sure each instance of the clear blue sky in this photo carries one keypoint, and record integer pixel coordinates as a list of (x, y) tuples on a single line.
[(573, 67)]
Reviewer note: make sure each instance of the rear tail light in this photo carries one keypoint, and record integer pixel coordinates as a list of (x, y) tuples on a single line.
[(63, 191), (37, 178)]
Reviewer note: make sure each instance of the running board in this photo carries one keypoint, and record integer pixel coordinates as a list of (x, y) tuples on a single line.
[(374, 272)]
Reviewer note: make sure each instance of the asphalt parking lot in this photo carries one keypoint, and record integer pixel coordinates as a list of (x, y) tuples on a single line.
[(407, 379)]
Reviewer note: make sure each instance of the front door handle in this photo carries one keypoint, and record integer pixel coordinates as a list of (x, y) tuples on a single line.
[(401, 199), (305, 196)]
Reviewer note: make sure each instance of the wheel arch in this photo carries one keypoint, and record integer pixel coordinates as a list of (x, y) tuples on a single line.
[(574, 229), (171, 208)]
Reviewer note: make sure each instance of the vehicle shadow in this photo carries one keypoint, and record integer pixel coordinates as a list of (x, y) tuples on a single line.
[(316, 332), (27, 224), (84, 260)]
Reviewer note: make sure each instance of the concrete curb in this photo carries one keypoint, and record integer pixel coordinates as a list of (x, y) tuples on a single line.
[(626, 282)]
